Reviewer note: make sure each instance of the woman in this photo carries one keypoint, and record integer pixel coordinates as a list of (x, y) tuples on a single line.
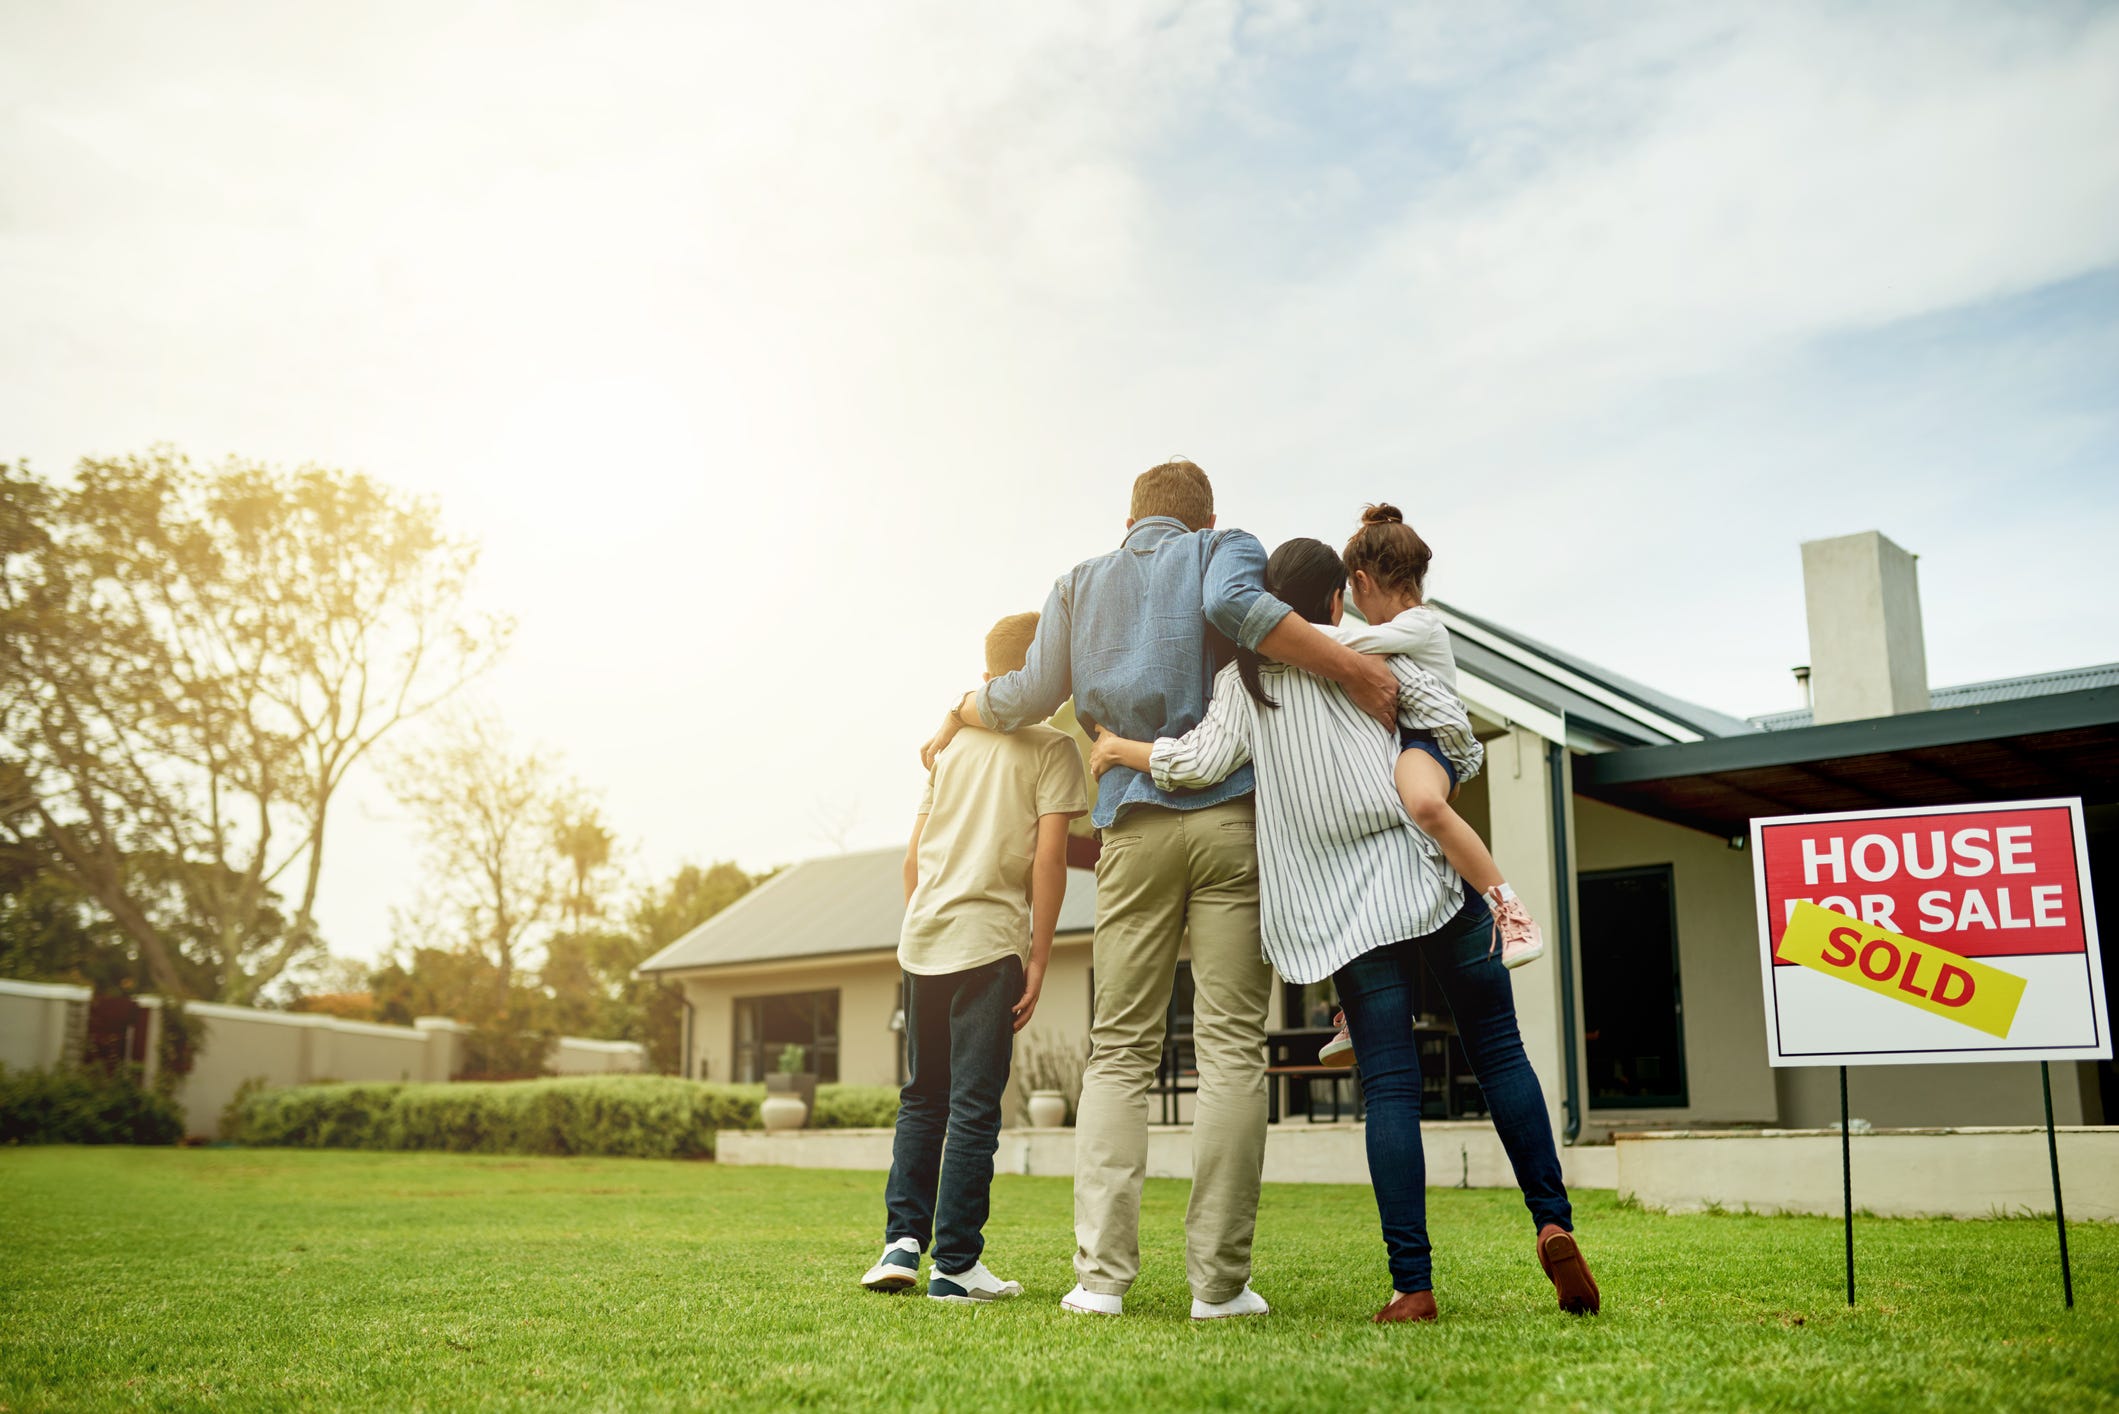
[(1350, 889)]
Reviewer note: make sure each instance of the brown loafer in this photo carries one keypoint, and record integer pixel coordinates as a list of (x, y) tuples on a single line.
[(1568, 1273), (1418, 1306)]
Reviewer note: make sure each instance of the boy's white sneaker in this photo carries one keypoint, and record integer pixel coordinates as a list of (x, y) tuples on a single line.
[(1514, 929), (1244, 1303), (1092, 1303), (974, 1285), (897, 1268)]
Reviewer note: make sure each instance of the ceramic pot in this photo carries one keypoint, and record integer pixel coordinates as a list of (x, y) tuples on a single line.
[(802, 1085), (782, 1112), (1048, 1109)]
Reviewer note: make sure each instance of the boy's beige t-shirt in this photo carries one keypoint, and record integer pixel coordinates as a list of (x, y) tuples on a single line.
[(982, 803)]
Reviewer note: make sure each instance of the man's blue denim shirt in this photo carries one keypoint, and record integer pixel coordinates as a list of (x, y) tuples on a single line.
[(1124, 635)]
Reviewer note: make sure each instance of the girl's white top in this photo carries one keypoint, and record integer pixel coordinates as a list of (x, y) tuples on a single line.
[(1341, 868), (1418, 633)]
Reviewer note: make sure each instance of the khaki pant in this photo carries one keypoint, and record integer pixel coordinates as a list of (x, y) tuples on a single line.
[(1165, 874)]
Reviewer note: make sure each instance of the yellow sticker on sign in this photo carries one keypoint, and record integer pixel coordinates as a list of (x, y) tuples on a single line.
[(1922, 975)]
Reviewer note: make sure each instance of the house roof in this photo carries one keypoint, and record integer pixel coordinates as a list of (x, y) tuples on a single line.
[(841, 903), (1607, 709), (1977, 694), (2059, 744)]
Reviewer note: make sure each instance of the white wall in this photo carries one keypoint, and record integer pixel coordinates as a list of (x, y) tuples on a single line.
[(575, 1055), (1510, 803), (289, 1048), (41, 1027), (41, 1024), (1727, 1078), (1962, 1173), (1927, 1096)]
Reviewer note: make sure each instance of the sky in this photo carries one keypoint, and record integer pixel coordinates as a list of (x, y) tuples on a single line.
[(772, 352)]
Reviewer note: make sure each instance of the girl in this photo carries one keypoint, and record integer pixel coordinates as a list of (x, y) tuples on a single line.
[(1349, 888), (1387, 561)]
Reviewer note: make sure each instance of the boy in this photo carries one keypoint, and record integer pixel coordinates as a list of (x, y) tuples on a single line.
[(984, 876)]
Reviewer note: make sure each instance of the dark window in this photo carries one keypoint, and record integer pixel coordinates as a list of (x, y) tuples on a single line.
[(1633, 1010), (767, 1025)]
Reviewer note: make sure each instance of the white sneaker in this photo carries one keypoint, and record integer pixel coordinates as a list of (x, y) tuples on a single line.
[(1092, 1303), (897, 1268), (1244, 1303), (975, 1284)]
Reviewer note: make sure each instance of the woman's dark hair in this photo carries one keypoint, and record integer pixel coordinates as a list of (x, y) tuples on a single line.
[(1390, 551), (1303, 574)]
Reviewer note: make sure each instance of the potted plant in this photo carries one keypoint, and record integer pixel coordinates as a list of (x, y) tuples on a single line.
[(1051, 1071), (790, 1091)]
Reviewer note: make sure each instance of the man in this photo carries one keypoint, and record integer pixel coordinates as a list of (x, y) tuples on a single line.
[(1125, 635)]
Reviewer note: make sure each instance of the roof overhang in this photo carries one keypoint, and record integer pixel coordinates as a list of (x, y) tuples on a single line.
[(2066, 744), (808, 962)]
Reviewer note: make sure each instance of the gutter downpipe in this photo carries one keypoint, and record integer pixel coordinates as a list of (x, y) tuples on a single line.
[(1563, 938), (685, 1039)]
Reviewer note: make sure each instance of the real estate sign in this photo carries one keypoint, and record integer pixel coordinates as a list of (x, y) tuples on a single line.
[(1954, 933)]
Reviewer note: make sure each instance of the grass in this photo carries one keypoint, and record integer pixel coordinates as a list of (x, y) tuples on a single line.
[(243, 1279)]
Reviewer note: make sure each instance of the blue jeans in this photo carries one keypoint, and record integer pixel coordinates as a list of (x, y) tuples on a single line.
[(1376, 990), (959, 1038)]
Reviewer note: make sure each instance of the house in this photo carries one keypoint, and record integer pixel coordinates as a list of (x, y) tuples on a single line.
[(1619, 812)]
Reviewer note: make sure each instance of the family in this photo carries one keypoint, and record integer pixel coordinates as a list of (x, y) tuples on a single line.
[(1275, 791)]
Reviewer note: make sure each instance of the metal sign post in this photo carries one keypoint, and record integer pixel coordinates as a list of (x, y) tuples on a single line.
[(1846, 1177), (2052, 1151)]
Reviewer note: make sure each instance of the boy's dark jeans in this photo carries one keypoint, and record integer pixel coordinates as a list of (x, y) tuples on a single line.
[(1376, 990), (959, 1037)]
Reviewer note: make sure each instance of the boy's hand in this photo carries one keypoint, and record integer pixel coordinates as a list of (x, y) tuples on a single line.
[(1026, 1007), (939, 742)]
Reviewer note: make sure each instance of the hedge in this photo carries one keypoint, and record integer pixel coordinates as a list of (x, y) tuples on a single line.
[(71, 1106), (634, 1116)]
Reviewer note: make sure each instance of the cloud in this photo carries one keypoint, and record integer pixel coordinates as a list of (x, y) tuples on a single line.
[(774, 352)]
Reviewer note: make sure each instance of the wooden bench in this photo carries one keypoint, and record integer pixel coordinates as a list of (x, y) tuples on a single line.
[(1279, 1075)]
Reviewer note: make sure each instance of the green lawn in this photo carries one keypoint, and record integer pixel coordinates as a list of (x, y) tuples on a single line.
[(276, 1278)]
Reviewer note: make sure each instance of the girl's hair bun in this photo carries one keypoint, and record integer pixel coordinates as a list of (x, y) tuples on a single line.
[(1383, 513)]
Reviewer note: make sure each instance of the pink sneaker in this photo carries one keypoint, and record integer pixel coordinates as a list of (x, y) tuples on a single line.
[(1517, 935), (1339, 1051)]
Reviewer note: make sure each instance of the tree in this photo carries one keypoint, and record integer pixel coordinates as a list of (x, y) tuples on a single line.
[(591, 977), (486, 814), (585, 842), (190, 664), (660, 917)]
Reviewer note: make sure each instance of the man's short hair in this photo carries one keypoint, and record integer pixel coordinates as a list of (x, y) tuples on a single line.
[(1178, 489), (1008, 644)]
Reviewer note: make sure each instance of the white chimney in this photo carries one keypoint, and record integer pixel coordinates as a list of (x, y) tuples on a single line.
[(1867, 656)]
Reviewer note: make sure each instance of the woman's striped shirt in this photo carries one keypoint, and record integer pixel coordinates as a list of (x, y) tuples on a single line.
[(1342, 869)]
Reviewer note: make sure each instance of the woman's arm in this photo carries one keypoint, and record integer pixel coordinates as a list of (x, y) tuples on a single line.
[(1209, 752), (1114, 750)]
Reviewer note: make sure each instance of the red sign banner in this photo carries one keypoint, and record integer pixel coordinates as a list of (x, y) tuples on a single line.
[(1987, 883)]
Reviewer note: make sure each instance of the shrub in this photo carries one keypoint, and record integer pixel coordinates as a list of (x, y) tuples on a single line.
[(636, 1116), (74, 1106), (855, 1107)]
